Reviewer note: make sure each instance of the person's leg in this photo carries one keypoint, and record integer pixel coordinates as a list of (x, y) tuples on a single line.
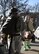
[(11, 50), (8, 41), (5, 39), (33, 38), (26, 45), (17, 44)]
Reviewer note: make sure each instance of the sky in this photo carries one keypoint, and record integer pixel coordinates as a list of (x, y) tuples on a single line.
[(30, 2), (33, 2)]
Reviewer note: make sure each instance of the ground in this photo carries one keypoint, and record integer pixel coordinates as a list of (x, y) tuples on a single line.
[(34, 48)]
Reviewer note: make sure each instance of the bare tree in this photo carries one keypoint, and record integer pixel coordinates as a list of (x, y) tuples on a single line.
[(3, 4), (22, 6), (35, 8), (7, 4)]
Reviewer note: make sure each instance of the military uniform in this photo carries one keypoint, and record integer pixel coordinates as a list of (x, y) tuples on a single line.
[(31, 28), (14, 28)]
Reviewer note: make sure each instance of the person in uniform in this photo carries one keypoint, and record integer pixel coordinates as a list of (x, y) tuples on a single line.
[(14, 27), (31, 28)]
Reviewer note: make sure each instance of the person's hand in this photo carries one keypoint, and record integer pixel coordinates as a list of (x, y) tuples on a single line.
[(33, 30)]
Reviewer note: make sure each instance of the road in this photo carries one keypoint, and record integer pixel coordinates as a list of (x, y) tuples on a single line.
[(34, 48)]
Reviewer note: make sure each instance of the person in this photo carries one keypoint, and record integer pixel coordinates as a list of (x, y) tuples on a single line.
[(26, 35), (31, 28), (14, 28)]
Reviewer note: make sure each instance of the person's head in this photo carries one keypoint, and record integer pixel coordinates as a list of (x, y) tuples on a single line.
[(14, 11)]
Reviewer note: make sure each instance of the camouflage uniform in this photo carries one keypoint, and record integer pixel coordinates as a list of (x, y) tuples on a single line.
[(14, 27)]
